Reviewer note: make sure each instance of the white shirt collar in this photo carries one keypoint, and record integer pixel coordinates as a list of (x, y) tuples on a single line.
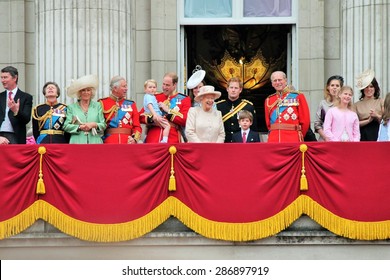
[(13, 91)]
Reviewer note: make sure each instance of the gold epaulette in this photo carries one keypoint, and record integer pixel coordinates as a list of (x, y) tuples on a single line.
[(39, 118), (33, 112), (61, 107), (114, 108), (220, 101), (270, 106), (247, 101)]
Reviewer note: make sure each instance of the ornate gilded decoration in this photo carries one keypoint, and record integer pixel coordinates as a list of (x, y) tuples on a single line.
[(254, 73)]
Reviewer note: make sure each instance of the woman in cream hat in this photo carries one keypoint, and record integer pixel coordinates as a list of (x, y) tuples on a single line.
[(204, 123), (369, 108), (84, 118)]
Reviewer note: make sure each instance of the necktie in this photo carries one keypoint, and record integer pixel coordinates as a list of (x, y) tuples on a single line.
[(244, 137), (10, 94)]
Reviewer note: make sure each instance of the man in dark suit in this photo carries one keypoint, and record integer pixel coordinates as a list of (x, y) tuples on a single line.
[(15, 108), (245, 135)]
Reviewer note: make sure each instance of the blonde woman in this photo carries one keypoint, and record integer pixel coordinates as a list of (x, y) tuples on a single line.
[(332, 88)]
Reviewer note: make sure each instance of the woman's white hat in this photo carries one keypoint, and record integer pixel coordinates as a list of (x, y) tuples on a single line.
[(365, 79), (197, 76), (88, 81), (207, 90)]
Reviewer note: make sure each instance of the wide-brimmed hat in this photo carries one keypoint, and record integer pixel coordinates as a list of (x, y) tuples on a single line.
[(88, 81), (365, 79), (197, 76), (207, 90)]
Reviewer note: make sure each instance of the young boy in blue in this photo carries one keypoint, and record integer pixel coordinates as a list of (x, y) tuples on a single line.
[(246, 135), (151, 107)]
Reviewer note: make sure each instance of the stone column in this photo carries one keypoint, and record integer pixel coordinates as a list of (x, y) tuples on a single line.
[(366, 43), (80, 37)]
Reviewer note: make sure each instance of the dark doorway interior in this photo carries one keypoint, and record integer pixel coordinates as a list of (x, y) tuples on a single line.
[(251, 52)]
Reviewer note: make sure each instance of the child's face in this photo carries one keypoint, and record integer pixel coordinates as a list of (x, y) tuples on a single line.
[(346, 96), (151, 88), (245, 123)]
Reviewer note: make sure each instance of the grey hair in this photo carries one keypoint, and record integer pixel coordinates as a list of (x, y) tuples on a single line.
[(278, 72), (115, 81)]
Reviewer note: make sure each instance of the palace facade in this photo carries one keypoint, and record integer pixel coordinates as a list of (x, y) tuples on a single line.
[(61, 40)]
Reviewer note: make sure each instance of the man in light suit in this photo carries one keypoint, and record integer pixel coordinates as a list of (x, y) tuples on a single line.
[(245, 135), (15, 108)]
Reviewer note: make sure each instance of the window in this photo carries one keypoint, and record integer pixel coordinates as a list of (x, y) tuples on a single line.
[(207, 8), (267, 8), (240, 11)]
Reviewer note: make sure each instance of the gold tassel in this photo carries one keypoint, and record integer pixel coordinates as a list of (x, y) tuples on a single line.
[(303, 184), (172, 179), (41, 185)]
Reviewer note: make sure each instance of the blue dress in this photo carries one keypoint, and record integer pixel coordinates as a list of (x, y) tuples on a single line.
[(384, 132)]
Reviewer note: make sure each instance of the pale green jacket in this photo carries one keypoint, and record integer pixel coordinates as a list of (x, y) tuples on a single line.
[(94, 114)]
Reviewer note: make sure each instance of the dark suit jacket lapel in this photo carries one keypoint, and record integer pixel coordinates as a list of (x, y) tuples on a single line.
[(251, 136), (18, 96), (3, 104)]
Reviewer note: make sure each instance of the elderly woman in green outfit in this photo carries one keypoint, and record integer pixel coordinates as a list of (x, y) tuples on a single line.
[(84, 118)]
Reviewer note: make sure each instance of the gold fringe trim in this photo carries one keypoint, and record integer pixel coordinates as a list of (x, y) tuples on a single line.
[(41, 185), (303, 183), (211, 229), (20, 222), (172, 179), (343, 227), (236, 231), (104, 232)]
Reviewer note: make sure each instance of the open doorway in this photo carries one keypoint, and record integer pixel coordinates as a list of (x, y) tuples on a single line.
[(251, 52)]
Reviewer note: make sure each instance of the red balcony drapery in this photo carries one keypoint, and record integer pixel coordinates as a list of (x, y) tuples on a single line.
[(225, 191)]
